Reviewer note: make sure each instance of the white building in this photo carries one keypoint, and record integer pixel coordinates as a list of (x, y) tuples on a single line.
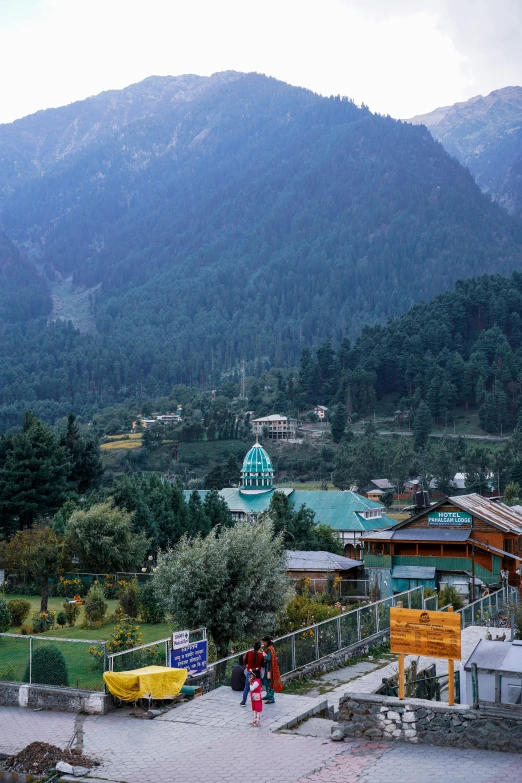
[(279, 427), (320, 411), (499, 671)]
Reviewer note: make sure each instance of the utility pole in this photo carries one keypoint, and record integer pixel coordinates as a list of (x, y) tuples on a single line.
[(472, 573)]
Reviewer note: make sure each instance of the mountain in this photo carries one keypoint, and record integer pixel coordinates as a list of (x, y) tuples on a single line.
[(206, 220), (24, 293), (485, 134)]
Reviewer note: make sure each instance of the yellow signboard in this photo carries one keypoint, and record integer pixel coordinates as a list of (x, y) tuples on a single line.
[(421, 632)]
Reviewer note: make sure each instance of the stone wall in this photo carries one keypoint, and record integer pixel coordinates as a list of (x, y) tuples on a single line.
[(338, 658), (430, 722), (13, 694)]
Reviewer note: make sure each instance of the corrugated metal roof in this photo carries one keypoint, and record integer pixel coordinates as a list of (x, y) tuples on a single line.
[(432, 534), (319, 561), (341, 510), (418, 534), (490, 548), (382, 483), (378, 535), (497, 514), (493, 655), (413, 572)]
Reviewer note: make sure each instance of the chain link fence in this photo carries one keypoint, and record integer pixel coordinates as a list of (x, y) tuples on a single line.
[(48, 660)]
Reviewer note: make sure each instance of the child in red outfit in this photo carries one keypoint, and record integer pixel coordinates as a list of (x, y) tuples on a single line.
[(255, 696)]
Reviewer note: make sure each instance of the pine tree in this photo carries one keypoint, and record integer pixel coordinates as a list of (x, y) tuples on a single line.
[(84, 456), (421, 426), (34, 475), (338, 423)]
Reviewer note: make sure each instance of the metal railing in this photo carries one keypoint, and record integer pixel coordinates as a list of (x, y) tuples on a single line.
[(431, 603), (480, 612), (309, 644), (52, 660), (344, 588)]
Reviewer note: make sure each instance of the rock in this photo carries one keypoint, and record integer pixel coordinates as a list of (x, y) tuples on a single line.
[(393, 715), (63, 766), (337, 735), (373, 733), (78, 772), (408, 717)]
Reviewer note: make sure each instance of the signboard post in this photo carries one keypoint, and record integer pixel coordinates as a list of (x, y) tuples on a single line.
[(420, 632), (193, 657)]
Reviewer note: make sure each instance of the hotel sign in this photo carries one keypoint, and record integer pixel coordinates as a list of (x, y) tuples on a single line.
[(441, 518)]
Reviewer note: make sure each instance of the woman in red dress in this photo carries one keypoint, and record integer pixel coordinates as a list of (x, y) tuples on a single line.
[(255, 696)]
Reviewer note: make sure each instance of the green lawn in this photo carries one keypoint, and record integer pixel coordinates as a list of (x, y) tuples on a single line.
[(14, 653)]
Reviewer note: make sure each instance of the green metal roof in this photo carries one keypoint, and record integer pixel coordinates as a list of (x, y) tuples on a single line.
[(257, 461), (341, 510)]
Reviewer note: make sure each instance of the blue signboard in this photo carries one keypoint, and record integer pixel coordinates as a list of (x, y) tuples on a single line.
[(192, 657)]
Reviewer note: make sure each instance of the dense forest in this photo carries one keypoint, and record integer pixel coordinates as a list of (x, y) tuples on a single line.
[(462, 349), (24, 294), (246, 220)]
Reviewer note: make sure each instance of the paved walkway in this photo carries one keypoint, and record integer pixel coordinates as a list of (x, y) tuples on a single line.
[(209, 740), (160, 751), (221, 708)]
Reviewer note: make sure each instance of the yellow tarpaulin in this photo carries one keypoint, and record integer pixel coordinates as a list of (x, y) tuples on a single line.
[(158, 682)]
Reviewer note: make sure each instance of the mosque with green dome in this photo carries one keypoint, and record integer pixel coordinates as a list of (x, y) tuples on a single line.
[(348, 513)]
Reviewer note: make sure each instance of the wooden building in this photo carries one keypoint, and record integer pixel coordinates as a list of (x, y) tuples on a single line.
[(454, 538)]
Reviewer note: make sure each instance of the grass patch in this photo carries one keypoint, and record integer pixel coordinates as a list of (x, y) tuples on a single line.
[(121, 445), (14, 653)]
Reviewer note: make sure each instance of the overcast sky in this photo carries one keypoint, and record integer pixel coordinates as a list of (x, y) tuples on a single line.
[(400, 57)]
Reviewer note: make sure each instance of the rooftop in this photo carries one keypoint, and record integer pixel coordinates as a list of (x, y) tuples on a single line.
[(500, 656), (343, 511), (319, 561), (274, 417)]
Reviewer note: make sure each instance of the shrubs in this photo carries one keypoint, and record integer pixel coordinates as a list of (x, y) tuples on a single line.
[(43, 621), (48, 666), (5, 617), (19, 609), (448, 595), (125, 636), (303, 610), (95, 604), (61, 618), (151, 610), (130, 599), (72, 612)]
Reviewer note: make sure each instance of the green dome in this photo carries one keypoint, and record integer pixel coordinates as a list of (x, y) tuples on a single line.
[(257, 473)]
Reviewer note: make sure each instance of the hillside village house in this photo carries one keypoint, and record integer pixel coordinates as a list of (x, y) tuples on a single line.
[(349, 514), (376, 488), (446, 544), (277, 427), (320, 411)]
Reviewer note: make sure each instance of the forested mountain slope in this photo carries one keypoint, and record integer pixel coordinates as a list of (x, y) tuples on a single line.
[(24, 293), (462, 349), (228, 217), (485, 134)]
